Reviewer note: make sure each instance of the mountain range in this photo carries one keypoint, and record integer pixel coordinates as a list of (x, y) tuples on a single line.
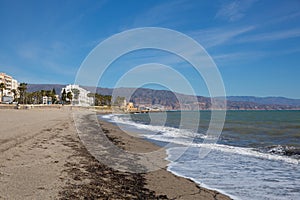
[(170, 100)]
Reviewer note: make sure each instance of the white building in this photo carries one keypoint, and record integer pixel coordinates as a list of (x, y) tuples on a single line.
[(47, 100), (10, 85), (79, 95)]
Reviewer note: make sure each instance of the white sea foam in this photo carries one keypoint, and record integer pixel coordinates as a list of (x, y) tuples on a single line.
[(241, 173), (234, 150), (248, 152), (164, 130), (242, 177), (185, 138)]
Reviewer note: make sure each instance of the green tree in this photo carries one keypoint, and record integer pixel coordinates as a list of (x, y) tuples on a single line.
[(70, 96), (53, 95), (53, 91), (37, 97), (22, 89), (15, 93), (64, 96), (49, 93), (30, 97), (107, 100), (101, 100), (2, 88), (43, 93)]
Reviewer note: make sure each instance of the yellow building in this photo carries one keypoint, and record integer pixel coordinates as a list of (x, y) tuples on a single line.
[(10, 84), (130, 107)]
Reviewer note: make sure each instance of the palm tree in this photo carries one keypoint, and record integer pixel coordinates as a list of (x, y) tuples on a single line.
[(53, 95), (15, 93), (22, 88), (2, 88), (43, 93)]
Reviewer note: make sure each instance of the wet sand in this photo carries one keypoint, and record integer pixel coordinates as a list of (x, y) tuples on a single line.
[(161, 181), (43, 157)]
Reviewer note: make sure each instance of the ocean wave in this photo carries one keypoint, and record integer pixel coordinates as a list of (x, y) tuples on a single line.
[(250, 152), (290, 151), (160, 130), (224, 171), (240, 150), (187, 138)]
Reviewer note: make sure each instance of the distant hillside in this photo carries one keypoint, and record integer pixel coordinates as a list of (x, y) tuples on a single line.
[(38, 87), (103, 91), (170, 100), (58, 88), (266, 100)]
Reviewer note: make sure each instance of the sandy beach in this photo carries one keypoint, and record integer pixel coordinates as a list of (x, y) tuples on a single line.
[(43, 157)]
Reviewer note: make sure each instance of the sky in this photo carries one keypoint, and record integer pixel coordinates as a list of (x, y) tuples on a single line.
[(254, 44)]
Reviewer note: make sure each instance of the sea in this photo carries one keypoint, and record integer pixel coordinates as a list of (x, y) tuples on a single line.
[(256, 156)]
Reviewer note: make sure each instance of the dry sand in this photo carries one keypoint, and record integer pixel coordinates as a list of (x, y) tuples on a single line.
[(32, 154), (43, 158)]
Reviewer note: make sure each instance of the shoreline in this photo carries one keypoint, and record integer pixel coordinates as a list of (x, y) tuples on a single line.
[(189, 188), (204, 186), (42, 156), (109, 110)]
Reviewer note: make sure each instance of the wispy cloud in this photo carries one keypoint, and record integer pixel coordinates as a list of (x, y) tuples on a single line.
[(284, 18), (237, 57), (235, 10), (218, 36), (234, 57), (208, 38), (278, 35)]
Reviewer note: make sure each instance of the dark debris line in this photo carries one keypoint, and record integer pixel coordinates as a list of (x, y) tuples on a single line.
[(89, 179)]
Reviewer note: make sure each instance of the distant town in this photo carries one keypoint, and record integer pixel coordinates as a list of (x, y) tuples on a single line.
[(143, 100), (13, 92)]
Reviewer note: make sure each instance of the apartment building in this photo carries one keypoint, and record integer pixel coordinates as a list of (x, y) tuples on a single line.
[(10, 85), (81, 98)]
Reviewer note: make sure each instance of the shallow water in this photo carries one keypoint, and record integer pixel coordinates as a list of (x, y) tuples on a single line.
[(256, 156)]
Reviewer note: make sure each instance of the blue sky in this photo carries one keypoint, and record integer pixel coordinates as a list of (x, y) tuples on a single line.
[(255, 44)]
